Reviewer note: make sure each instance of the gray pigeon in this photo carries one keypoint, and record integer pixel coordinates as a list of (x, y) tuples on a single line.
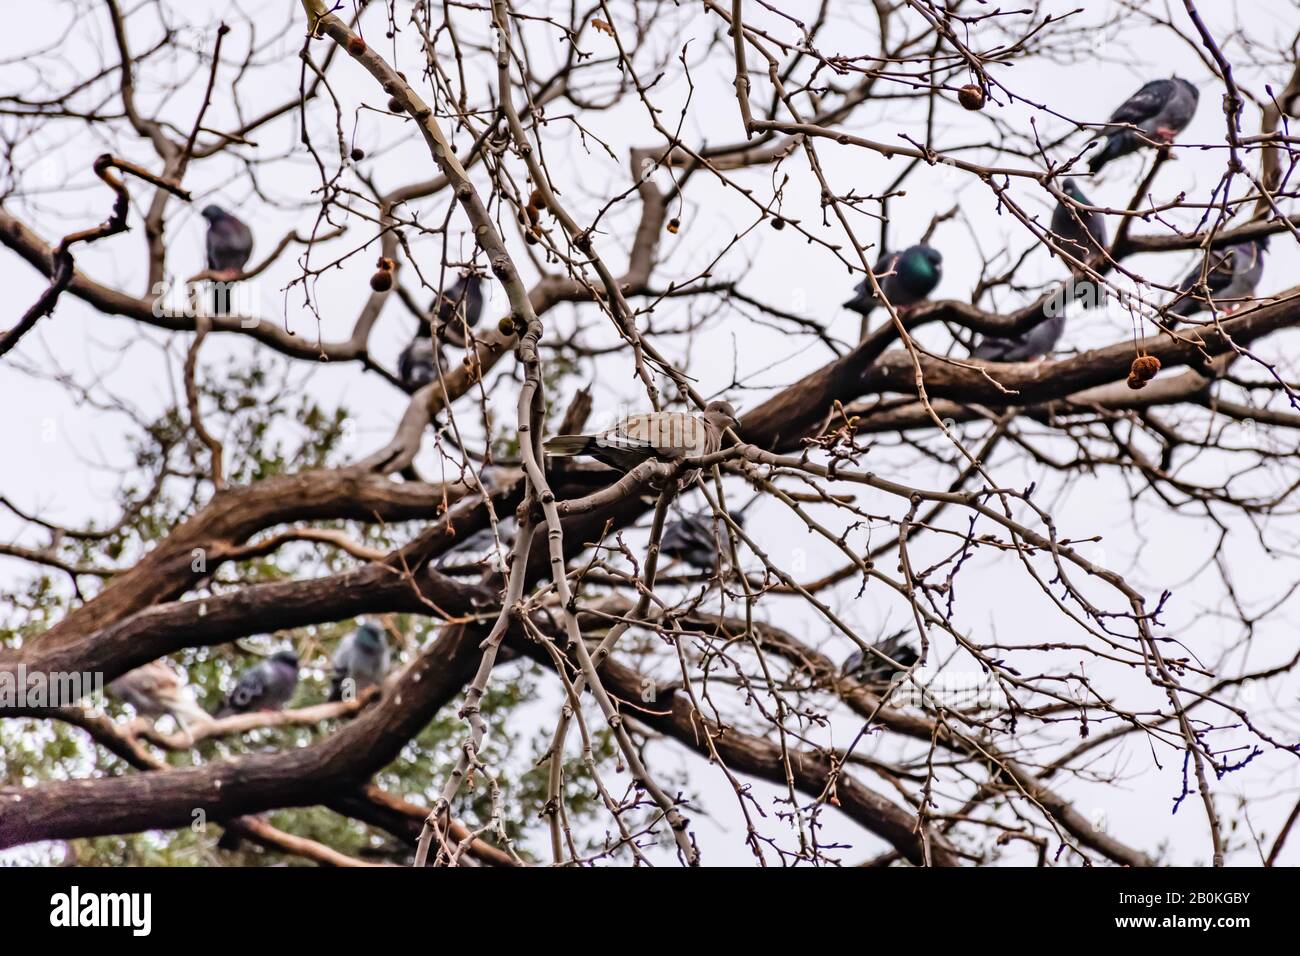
[(664, 435), (155, 689), (360, 661), (420, 361), (229, 244), (1080, 233), (697, 539), (905, 278), (461, 302), (267, 685), (480, 547), (1159, 111), (1036, 343), (1233, 274), (873, 670)]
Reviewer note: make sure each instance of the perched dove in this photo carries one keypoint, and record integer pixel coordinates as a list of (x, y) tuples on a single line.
[(1159, 111), (1034, 344), (1233, 274), (229, 244), (457, 306), (664, 435), (267, 685), (156, 689), (905, 278), (873, 670), (696, 539), (360, 661), (419, 362), (1080, 233)]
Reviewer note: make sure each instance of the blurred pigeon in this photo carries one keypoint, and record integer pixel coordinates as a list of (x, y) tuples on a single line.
[(1080, 233), (360, 661), (1034, 344), (267, 685), (480, 546), (905, 278), (873, 670), (1159, 111), (637, 438), (155, 689), (462, 301), (419, 362), (1233, 274), (230, 243), (697, 539)]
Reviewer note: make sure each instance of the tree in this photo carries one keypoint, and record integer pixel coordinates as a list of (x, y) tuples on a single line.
[(666, 205)]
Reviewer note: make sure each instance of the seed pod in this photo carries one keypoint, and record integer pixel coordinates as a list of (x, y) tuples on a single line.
[(358, 154), (381, 281), (1136, 383), (394, 106), (356, 46), (674, 225), (1145, 367), (971, 97), (778, 223), (507, 326)]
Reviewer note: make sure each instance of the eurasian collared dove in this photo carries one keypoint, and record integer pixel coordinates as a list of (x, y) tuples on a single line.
[(360, 661), (229, 244), (664, 435), (1159, 111), (267, 685), (155, 689)]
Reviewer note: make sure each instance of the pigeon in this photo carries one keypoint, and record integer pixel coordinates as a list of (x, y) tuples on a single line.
[(1034, 344), (696, 539), (360, 661), (480, 546), (1234, 272), (1159, 111), (420, 361), (664, 435), (905, 278), (461, 301), (267, 685), (1080, 233), (230, 243), (156, 689), (872, 669)]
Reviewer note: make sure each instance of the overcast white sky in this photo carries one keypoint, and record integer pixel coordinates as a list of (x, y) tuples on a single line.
[(64, 456)]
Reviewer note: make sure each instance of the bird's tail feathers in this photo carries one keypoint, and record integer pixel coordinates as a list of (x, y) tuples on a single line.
[(566, 446)]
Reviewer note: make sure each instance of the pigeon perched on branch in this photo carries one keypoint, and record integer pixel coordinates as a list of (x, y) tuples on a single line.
[(1233, 274), (905, 278), (667, 436), (268, 685), (155, 689), (229, 244), (697, 539), (1034, 344), (1155, 114), (874, 670), (1079, 232), (420, 361), (360, 662), (461, 302)]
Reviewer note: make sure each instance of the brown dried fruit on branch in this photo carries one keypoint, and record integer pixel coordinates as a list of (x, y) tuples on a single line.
[(1145, 367), (674, 225), (358, 154), (382, 280), (602, 26), (394, 106), (356, 46), (971, 97), (1135, 383)]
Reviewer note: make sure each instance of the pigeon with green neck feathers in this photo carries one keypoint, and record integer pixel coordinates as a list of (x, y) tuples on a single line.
[(905, 278)]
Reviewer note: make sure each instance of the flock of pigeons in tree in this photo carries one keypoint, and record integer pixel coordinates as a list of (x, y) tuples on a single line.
[(1153, 116), (360, 662)]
